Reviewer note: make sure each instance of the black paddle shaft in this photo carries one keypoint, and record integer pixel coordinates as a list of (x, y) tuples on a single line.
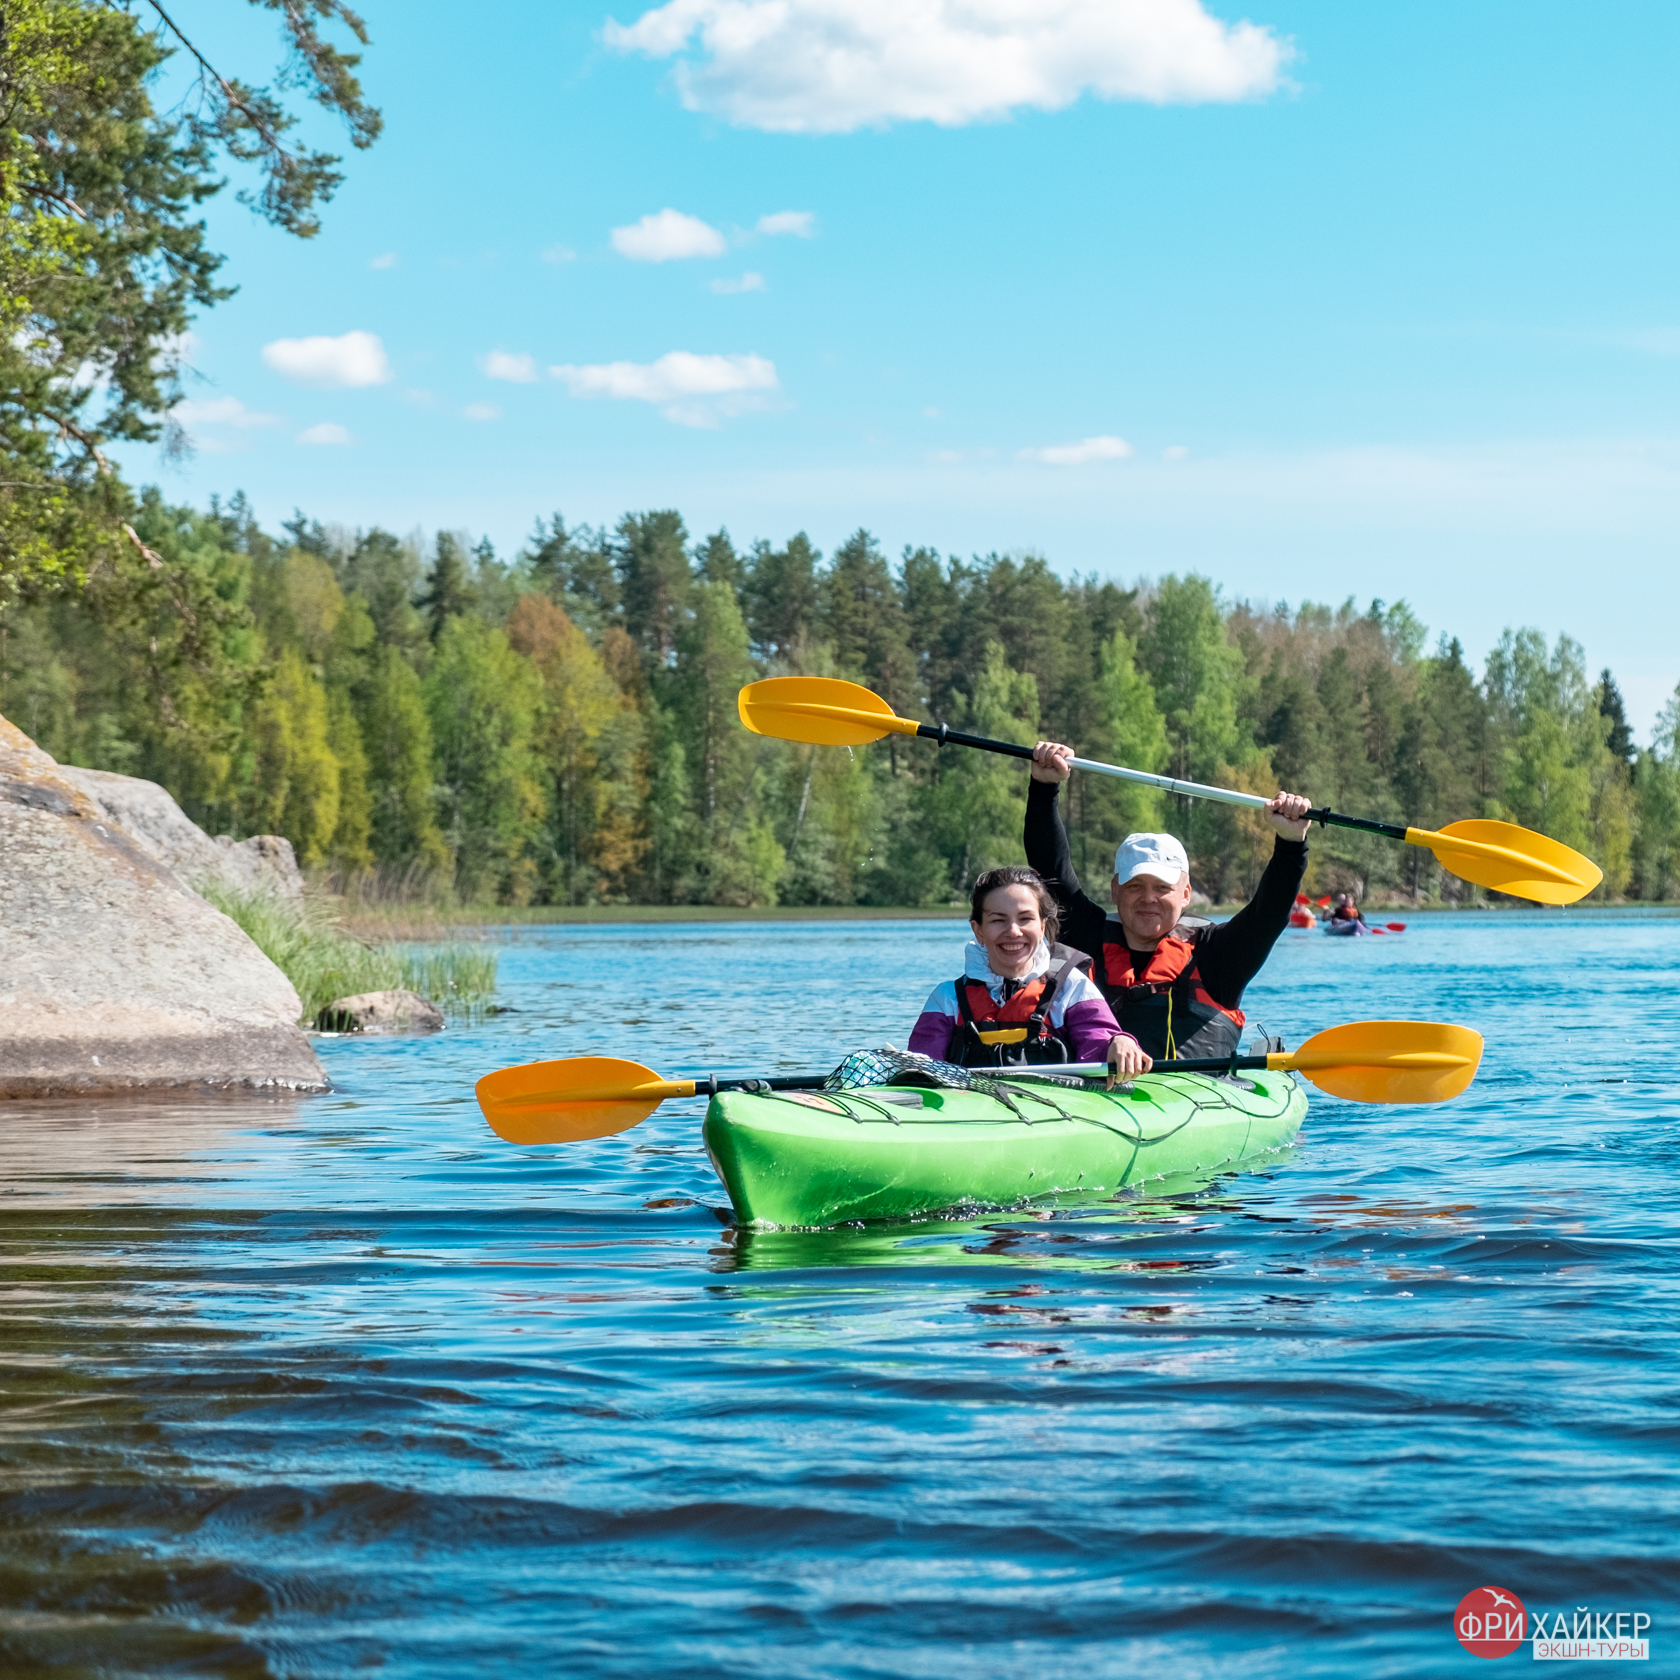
[(1320, 814), (1210, 1064), (798, 1082)]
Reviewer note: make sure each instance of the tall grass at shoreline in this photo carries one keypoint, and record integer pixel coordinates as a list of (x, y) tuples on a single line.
[(324, 961)]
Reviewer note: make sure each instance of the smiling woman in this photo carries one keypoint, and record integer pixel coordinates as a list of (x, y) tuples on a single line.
[(1022, 997)]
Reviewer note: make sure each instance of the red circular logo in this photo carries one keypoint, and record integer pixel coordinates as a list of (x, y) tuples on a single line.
[(1490, 1622)]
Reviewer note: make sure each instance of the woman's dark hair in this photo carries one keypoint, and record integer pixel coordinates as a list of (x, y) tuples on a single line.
[(1017, 875)]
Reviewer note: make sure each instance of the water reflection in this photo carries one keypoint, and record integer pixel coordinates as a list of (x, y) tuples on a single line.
[(303, 1386)]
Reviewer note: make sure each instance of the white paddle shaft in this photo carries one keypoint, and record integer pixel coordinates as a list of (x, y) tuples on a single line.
[(1190, 790)]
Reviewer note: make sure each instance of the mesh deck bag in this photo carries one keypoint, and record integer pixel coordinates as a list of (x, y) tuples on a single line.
[(887, 1066)]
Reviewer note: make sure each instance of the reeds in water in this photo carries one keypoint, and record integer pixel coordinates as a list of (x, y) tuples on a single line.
[(306, 942)]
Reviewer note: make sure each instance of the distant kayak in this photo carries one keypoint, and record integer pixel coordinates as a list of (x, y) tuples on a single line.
[(1352, 930)]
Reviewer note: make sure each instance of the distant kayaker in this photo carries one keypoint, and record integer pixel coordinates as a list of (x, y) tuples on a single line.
[(1346, 910), (1174, 982), (1021, 997)]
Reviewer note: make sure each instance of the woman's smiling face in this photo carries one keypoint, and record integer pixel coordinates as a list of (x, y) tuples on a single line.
[(1011, 928)]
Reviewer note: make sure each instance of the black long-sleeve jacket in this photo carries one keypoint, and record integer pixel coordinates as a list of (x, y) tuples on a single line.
[(1228, 955)]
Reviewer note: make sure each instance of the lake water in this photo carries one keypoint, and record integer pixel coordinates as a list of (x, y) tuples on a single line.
[(342, 1384)]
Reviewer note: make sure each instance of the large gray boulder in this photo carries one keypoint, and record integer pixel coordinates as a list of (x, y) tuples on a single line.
[(114, 975), (161, 829)]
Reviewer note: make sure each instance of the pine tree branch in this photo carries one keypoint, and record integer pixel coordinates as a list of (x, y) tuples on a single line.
[(151, 557), (270, 139), (69, 203), (71, 430)]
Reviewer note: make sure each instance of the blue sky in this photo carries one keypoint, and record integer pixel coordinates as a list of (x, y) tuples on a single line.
[(1316, 299)]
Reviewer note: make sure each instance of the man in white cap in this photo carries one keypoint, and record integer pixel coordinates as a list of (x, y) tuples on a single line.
[(1174, 982)]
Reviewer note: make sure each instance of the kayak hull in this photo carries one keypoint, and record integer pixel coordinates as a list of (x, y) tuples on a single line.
[(831, 1158)]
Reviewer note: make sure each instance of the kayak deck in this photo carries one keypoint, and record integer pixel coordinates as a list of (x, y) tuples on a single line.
[(898, 1152)]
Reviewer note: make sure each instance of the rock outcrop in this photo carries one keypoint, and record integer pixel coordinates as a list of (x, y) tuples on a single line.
[(150, 817), (114, 975), (381, 1012)]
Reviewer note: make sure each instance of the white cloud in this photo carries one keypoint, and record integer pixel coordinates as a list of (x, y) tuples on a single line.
[(831, 66), (749, 282), (674, 381), (387, 259), (220, 411), (668, 236), (482, 411), (1079, 454), (350, 360), (326, 432), (802, 224), (518, 369)]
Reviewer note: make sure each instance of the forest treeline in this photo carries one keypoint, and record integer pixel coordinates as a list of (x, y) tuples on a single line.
[(560, 726)]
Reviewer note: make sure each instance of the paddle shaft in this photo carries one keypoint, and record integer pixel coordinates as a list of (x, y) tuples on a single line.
[(943, 734), (711, 1085), (1304, 1060)]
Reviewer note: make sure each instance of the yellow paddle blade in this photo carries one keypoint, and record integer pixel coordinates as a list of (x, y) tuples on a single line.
[(1510, 860), (822, 710), (581, 1097), (1388, 1061)]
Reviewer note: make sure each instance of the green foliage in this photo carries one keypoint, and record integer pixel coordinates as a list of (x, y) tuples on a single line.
[(561, 727), (103, 261), (1655, 853), (1130, 731), (397, 738), (482, 699)]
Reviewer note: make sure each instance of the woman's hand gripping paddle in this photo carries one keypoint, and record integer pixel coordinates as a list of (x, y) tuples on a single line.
[(1497, 855), (595, 1096)]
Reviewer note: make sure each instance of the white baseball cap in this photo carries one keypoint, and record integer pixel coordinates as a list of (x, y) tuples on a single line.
[(1161, 856)]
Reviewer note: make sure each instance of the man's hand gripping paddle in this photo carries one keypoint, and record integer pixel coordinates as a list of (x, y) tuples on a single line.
[(1498, 855)]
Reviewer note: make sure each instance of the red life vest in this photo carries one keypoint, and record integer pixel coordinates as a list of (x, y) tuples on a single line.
[(1017, 1030), (1166, 1008)]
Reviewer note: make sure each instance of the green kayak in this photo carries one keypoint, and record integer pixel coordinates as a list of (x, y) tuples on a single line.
[(815, 1158)]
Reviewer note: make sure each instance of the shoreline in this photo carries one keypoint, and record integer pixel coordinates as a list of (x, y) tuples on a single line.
[(383, 923)]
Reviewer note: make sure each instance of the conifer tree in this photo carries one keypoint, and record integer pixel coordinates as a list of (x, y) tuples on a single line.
[(654, 581), (449, 589)]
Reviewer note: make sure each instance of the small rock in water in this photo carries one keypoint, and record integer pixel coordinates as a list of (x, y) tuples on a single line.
[(380, 1012)]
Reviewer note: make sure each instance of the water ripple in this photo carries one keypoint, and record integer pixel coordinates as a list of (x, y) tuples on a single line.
[(301, 1386)]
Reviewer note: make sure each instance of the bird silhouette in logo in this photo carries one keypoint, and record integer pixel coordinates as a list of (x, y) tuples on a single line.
[(1500, 1598)]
